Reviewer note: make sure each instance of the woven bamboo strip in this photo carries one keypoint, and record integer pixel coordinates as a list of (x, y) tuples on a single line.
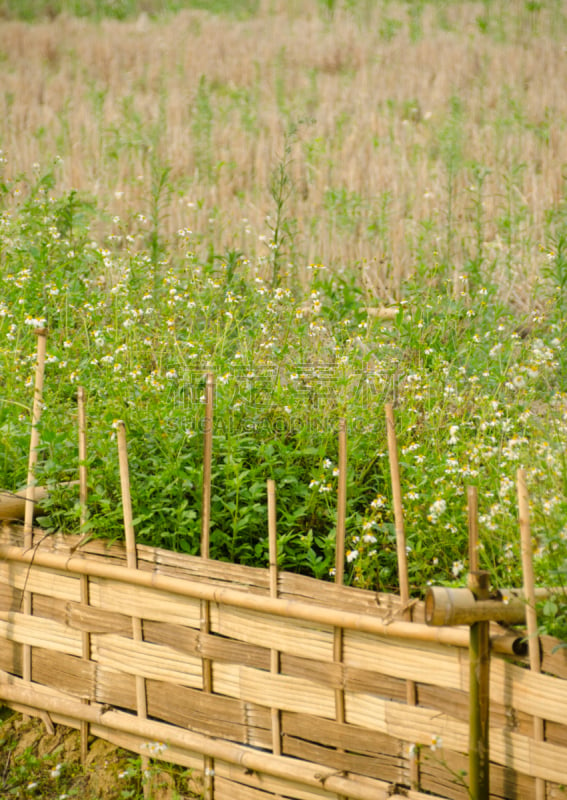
[(148, 603), (279, 691), (314, 775), (402, 659), (10, 656), (332, 734), (67, 673), (396, 719), (282, 608), (38, 632), (538, 759), (332, 675), (533, 693), (137, 657), (93, 620), (39, 580), (273, 632)]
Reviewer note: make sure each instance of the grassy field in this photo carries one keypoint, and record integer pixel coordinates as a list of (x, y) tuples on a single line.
[(185, 191)]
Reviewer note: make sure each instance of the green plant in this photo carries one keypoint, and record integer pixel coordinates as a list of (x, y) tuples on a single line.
[(281, 226)]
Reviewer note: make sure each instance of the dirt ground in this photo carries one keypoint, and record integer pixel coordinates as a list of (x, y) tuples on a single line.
[(35, 763)]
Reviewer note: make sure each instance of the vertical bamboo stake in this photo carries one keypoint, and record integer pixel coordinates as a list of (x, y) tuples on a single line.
[(30, 490), (132, 563), (338, 635), (84, 579), (205, 545), (472, 512), (479, 679), (207, 465), (274, 654), (411, 689), (531, 614), (398, 509), (341, 505)]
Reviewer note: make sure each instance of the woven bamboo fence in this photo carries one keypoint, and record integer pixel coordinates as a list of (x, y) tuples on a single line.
[(308, 754), (274, 685)]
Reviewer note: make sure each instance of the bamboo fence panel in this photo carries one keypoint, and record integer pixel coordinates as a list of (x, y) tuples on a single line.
[(363, 756)]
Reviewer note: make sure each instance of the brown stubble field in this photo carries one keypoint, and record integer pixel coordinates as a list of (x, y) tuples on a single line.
[(441, 143)]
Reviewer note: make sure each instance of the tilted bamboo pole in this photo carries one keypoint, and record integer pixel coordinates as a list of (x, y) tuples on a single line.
[(13, 504), (411, 689), (34, 439), (531, 613), (205, 547), (132, 564), (281, 607), (85, 599), (274, 654), (30, 489)]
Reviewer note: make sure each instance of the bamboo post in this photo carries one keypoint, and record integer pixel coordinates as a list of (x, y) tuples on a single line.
[(411, 689), (205, 546), (84, 580), (132, 564), (479, 660), (531, 614), (274, 654), (30, 489)]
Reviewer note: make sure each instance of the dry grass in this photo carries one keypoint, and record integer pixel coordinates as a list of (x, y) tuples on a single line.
[(211, 98)]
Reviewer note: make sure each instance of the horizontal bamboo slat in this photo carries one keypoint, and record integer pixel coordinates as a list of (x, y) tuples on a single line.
[(147, 660), (275, 691), (268, 630)]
